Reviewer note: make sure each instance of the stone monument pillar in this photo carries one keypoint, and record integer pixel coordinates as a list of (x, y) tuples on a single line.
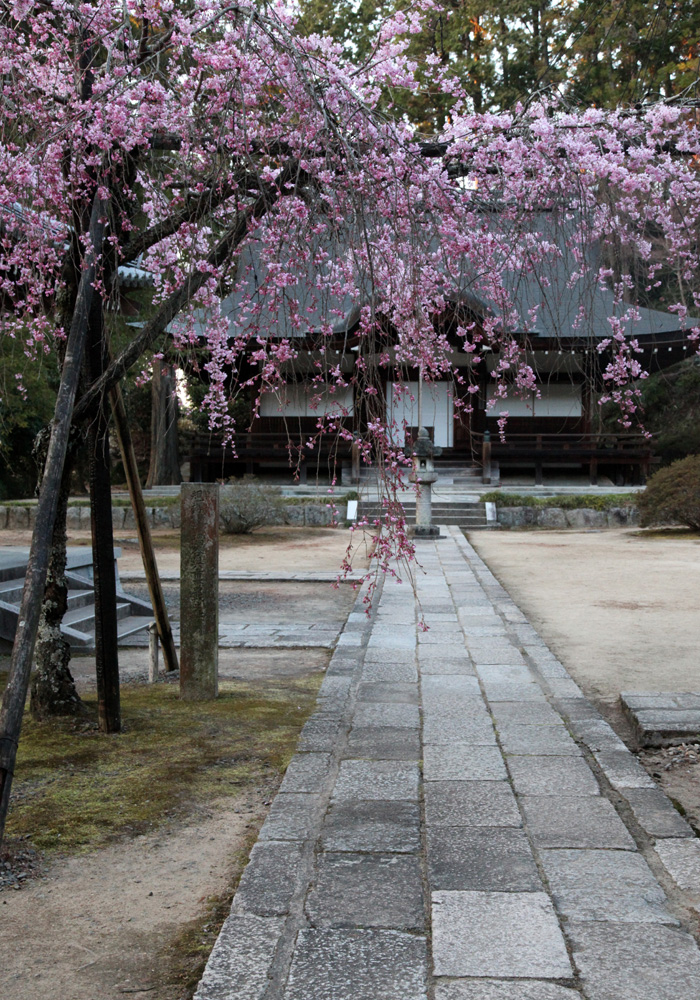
[(199, 591), (424, 475)]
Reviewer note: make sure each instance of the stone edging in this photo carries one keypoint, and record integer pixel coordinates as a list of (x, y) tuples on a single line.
[(19, 517), (558, 517), (253, 952)]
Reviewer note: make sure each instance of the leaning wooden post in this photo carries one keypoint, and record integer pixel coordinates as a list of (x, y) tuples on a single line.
[(199, 591), (148, 555)]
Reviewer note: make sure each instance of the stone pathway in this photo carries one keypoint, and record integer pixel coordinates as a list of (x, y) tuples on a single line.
[(460, 824)]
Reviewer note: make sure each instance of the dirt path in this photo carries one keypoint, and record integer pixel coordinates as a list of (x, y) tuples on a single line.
[(94, 927)]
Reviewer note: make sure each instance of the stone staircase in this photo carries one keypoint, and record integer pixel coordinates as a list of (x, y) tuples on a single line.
[(133, 614), (462, 513)]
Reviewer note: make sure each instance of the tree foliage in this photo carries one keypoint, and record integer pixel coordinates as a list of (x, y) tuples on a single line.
[(268, 184), (591, 52)]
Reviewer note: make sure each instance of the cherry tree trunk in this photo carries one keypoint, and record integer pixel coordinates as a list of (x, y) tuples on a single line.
[(53, 688)]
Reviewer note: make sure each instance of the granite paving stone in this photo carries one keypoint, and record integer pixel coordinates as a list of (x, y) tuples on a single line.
[(499, 989), (564, 687), (367, 890), (596, 734), (390, 671), (239, 963), (463, 728), (384, 743), (470, 803), (291, 817), (446, 665), (376, 779), (307, 772), (445, 686), (349, 964), (531, 713), (372, 825), (534, 775), (463, 762), (681, 859), (320, 734), (605, 885), (635, 961), (574, 821), (513, 692), (507, 934), (623, 770), (403, 694), (538, 740), (505, 673), (655, 813), (269, 879), (486, 859), (384, 714)]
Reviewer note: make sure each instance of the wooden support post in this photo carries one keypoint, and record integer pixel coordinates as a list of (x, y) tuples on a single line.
[(153, 653), (106, 651), (199, 591), (593, 470), (155, 590), (355, 475), (486, 458)]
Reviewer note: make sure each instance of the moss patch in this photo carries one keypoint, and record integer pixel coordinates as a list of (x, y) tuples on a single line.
[(77, 789)]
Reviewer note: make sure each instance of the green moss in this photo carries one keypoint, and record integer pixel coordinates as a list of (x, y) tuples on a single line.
[(76, 789), (566, 502)]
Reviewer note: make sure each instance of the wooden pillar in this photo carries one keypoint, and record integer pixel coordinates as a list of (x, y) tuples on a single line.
[(106, 654), (199, 591), (486, 458)]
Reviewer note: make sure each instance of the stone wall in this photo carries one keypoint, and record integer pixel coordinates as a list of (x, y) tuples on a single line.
[(19, 518), (557, 517)]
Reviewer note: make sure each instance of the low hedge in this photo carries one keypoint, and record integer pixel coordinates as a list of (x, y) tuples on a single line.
[(566, 502)]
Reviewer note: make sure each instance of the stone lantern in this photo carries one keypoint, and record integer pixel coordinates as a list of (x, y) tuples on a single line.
[(424, 475)]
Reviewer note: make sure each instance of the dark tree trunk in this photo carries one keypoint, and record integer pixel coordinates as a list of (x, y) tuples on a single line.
[(53, 688), (164, 468)]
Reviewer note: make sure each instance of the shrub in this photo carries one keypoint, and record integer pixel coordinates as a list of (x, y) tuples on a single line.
[(672, 495), (246, 504)]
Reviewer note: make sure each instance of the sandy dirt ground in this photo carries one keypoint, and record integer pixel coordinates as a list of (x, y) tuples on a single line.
[(621, 610), (95, 927), (285, 548)]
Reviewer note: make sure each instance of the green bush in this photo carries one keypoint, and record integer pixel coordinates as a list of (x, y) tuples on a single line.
[(246, 504), (672, 495), (566, 502)]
